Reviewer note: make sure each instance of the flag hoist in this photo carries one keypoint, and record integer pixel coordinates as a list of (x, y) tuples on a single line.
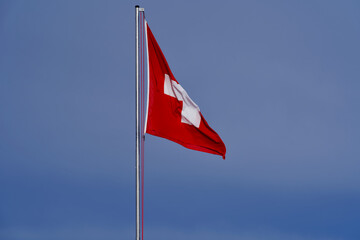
[(170, 112)]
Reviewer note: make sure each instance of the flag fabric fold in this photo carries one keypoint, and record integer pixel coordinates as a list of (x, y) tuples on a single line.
[(171, 113)]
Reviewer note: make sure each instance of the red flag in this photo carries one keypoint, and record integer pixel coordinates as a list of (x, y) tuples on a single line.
[(171, 113)]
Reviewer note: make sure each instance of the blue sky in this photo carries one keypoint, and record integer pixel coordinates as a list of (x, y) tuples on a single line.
[(279, 82)]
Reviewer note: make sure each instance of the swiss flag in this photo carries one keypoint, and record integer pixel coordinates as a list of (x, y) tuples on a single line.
[(171, 113)]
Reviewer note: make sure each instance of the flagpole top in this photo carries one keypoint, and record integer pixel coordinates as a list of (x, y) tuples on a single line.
[(137, 6)]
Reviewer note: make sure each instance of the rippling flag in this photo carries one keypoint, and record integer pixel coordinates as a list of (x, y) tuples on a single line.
[(171, 113)]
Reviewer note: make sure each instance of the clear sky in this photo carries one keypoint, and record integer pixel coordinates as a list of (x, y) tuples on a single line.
[(278, 80)]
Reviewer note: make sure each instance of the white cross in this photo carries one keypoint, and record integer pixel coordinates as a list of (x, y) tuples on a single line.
[(190, 113)]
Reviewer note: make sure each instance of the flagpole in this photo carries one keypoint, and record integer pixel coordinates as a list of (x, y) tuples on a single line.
[(137, 124)]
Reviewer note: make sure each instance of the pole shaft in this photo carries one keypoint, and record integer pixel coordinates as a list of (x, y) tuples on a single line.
[(137, 124)]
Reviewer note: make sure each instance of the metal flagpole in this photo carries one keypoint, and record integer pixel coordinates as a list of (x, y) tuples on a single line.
[(138, 127), (137, 123)]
